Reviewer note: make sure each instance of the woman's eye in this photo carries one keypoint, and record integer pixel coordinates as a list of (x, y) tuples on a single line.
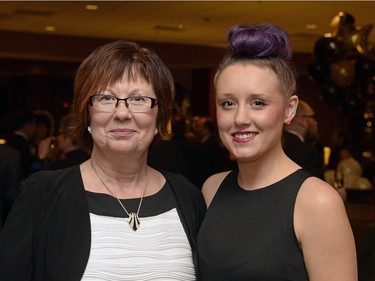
[(227, 103), (107, 97), (138, 98), (258, 103)]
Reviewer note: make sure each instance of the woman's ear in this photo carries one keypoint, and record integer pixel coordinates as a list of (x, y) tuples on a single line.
[(291, 108)]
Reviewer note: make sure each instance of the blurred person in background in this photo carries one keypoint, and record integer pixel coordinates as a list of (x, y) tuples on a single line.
[(10, 176), (22, 139), (209, 155), (297, 138), (45, 128), (67, 151)]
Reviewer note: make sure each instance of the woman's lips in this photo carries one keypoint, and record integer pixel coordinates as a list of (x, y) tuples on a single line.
[(243, 136)]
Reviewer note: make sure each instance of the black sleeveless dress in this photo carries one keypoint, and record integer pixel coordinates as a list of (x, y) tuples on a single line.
[(249, 235)]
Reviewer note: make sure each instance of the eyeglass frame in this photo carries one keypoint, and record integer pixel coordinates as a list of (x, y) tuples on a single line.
[(153, 102)]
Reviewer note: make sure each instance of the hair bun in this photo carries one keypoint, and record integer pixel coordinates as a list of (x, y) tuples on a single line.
[(259, 41)]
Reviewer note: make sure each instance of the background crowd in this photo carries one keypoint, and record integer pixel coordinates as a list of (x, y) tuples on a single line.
[(38, 142)]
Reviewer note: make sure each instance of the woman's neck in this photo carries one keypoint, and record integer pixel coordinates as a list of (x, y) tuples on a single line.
[(123, 175), (266, 170)]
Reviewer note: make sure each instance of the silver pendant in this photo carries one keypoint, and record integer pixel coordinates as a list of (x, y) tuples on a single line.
[(133, 221)]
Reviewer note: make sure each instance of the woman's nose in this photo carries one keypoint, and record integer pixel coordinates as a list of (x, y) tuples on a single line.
[(122, 111), (242, 116)]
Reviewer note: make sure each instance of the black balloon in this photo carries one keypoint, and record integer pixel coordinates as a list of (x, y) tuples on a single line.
[(365, 68), (343, 73), (344, 65), (330, 94), (319, 71), (329, 49), (352, 105)]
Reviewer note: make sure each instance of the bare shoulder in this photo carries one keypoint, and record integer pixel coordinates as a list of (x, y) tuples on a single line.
[(318, 194), (318, 206), (211, 185)]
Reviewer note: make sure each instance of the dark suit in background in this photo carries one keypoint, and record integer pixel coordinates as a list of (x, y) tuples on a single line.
[(306, 156), (167, 155), (21, 144), (10, 175), (73, 157), (21, 138)]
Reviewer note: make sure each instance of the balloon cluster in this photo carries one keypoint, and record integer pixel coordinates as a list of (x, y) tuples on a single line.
[(344, 63)]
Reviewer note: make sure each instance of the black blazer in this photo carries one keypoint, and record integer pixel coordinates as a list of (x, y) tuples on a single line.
[(47, 235)]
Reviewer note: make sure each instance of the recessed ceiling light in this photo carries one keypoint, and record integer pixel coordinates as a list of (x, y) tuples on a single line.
[(91, 7), (49, 28), (178, 27), (310, 26)]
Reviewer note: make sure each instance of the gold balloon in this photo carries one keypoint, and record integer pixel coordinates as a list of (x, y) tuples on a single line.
[(343, 72), (362, 183), (340, 20), (354, 36), (362, 45)]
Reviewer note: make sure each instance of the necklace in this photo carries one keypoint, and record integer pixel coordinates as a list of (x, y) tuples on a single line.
[(133, 218)]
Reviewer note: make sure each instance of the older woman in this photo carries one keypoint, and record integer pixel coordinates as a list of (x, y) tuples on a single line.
[(113, 217)]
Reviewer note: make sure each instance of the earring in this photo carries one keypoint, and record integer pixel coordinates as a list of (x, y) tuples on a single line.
[(89, 129), (156, 132), (287, 122)]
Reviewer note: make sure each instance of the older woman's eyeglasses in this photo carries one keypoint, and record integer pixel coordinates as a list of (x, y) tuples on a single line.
[(108, 103)]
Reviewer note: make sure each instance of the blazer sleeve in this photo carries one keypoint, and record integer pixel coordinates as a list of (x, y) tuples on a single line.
[(16, 243), (47, 233), (191, 204)]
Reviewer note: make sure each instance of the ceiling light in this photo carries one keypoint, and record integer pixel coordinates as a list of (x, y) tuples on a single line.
[(178, 27), (49, 28), (310, 26), (91, 7)]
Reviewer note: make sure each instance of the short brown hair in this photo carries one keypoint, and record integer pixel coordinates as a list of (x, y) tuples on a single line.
[(105, 66)]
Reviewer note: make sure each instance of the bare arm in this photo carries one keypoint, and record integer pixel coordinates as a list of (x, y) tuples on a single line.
[(325, 234)]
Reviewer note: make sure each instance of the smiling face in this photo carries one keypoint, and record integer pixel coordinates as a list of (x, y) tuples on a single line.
[(123, 131), (251, 110)]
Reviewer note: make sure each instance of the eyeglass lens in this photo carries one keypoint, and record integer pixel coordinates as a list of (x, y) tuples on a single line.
[(108, 103)]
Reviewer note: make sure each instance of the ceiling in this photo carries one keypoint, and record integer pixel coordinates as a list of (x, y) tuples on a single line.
[(203, 23)]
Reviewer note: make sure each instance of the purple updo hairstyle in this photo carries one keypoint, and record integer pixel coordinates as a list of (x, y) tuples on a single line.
[(259, 41), (263, 45)]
